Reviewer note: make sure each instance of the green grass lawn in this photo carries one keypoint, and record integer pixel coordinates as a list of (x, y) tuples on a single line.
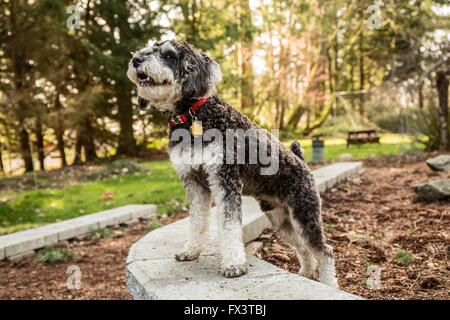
[(38, 207), (389, 144), (162, 187)]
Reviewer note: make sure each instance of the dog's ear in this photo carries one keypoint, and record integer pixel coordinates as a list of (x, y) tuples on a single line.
[(142, 102), (200, 75)]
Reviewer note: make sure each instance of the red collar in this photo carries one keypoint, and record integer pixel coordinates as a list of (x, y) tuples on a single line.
[(187, 116)]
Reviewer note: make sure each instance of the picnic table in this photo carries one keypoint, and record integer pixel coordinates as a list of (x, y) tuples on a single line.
[(359, 137)]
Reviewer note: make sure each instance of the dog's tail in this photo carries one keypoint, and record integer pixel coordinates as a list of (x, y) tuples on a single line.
[(297, 150)]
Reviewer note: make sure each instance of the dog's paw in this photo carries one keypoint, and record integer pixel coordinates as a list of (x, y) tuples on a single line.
[(187, 256), (329, 281), (306, 273), (234, 271)]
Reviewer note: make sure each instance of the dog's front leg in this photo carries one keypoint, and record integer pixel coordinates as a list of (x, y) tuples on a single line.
[(200, 204), (227, 195)]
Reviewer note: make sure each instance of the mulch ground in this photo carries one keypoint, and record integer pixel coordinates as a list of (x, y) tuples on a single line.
[(101, 262), (367, 220)]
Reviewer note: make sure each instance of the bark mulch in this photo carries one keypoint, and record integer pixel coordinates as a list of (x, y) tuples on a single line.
[(101, 262), (369, 219)]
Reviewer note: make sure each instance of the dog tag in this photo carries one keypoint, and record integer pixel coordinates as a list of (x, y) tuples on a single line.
[(196, 128)]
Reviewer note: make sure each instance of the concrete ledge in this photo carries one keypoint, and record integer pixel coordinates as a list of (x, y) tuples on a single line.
[(21, 256), (17, 243), (327, 177), (263, 282), (153, 273)]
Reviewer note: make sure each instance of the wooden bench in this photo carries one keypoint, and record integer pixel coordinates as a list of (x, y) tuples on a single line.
[(363, 136)]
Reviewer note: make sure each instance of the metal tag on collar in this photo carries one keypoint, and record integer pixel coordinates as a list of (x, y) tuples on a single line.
[(196, 128)]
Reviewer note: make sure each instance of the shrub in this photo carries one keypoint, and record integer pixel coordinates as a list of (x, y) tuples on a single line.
[(116, 168), (425, 125), (154, 224), (404, 257), (55, 255), (368, 263), (125, 166), (101, 233)]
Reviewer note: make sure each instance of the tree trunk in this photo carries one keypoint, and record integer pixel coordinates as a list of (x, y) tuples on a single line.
[(308, 117), (352, 83), (85, 138), (78, 146), (60, 132), (2, 168), (189, 12), (281, 120), (127, 142), (25, 148), (89, 146), (247, 96), (323, 116), (277, 111), (421, 96), (330, 71), (296, 116), (19, 109), (61, 146), (40, 143), (361, 75), (442, 83), (336, 65)]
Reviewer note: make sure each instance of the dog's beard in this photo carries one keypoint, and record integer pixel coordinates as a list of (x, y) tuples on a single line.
[(156, 83), (162, 97)]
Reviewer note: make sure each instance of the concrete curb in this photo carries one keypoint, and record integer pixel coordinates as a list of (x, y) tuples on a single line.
[(20, 242), (153, 273), (327, 177)]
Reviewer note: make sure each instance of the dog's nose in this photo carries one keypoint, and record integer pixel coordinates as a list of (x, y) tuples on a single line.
[(137, 61)]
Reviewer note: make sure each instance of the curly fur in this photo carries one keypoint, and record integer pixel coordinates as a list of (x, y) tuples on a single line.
[(289, 198)]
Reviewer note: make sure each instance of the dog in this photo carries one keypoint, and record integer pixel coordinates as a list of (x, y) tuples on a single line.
[(181, 80)]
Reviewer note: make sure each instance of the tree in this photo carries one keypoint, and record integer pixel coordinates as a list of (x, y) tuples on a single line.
[(282, 64), (2, 168), (24, 30), (115, 28), (246, 52), (442, 88)]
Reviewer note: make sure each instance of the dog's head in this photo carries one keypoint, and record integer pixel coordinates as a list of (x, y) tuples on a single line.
[(169, 71)]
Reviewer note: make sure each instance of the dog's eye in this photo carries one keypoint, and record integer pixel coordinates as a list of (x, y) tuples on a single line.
[(169, 55)]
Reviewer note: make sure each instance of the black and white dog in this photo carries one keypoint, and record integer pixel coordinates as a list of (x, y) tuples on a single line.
[(179, 79)]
